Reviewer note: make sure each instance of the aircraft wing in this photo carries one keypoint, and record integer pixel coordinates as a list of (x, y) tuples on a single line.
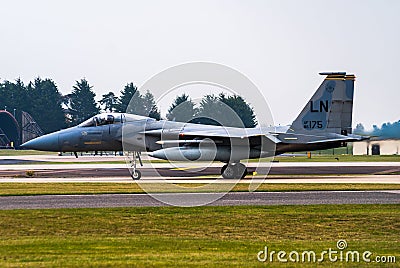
[(211, 132), (230, 133), (197, 134)]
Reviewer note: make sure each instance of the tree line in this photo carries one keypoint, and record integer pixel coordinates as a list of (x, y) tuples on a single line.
[(387, 130), (54, 111)]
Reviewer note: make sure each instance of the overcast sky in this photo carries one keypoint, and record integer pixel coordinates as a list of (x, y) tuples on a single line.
[(280, 45)]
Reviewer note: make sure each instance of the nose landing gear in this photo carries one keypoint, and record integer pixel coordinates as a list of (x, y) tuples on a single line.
[(132, 157)]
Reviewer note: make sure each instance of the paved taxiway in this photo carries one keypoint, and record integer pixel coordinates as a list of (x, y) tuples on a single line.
[(314, 172), (323, 172), (185, 169), (383, 179), (230, 199)]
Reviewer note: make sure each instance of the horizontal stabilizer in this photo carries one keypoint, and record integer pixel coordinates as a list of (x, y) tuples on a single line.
[(341, 139)]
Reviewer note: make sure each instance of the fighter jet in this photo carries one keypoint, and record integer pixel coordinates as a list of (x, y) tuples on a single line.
[(325, 122)]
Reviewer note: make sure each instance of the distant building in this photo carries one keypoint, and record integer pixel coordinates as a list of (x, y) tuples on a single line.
[(377, 147), (12, 134), (9, 130)]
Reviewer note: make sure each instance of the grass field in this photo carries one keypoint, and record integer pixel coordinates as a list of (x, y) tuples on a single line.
[(191, 237), (108, 188)]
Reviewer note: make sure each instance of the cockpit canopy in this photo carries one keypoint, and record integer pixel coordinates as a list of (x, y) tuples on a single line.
[(103, 119)]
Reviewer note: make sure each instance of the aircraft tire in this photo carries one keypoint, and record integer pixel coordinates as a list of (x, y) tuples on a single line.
[(223, 169), (136, 175), (241, 170), (236, 171)]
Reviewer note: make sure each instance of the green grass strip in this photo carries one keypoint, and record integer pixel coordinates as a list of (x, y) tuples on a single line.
[(191, 237), (7, 189)]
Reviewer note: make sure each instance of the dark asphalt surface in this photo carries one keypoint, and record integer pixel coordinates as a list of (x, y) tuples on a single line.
[(231, 199), (150, 172), (17, 161)]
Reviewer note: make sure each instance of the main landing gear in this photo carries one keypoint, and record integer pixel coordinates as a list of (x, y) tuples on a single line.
[(234, 171), (132, 157)]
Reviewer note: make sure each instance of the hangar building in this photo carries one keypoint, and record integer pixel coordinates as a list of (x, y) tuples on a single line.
[(9, 130), (12, 134)]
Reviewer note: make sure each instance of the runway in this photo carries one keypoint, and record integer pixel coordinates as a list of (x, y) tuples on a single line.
[(230, 199), (373, 179), (314, 172), (104, 172)]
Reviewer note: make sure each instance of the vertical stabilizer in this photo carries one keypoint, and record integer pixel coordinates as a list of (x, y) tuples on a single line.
[(331, 107)]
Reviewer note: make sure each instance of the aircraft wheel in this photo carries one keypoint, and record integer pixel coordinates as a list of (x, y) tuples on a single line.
[(228, 172), (234, 171), (241, 170), (223, 169), (136, 175)]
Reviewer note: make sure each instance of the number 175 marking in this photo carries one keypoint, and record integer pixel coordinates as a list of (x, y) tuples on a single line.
[(312, 124)]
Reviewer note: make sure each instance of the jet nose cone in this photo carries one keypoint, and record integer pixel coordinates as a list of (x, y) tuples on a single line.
[(47, 142)]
